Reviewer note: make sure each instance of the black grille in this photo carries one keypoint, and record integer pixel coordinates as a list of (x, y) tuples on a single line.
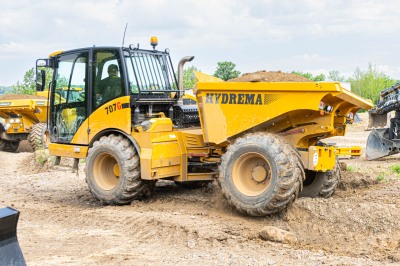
[(186, 116)]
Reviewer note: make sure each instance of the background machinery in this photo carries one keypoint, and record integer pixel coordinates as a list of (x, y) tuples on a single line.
[(384, 140), (261, 140), (24, 118)]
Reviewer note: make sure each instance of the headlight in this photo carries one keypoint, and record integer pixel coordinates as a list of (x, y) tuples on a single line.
[(12, 121), (17, 120)]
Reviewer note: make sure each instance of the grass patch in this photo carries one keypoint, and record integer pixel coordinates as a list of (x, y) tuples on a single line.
[(42, 156), (350, 168), (395, 168), (381, 178)]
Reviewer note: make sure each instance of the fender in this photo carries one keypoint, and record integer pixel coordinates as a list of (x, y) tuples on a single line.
[(114, 130)]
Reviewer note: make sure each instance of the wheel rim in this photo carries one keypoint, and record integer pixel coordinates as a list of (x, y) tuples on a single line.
[(251, 174), (106, 171)]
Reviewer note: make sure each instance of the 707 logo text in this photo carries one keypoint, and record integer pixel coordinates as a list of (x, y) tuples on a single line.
[(113, 107)]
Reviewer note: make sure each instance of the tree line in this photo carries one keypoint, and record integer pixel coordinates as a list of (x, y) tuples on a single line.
[(366, 83)]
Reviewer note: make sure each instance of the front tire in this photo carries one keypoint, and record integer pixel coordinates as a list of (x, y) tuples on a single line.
[(260, 174), (113, 171)]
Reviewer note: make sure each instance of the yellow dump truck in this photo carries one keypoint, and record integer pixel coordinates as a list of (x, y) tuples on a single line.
[(261, 141), (24, 118)]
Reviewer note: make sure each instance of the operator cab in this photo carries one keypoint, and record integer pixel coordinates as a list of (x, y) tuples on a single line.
[(87, 79)]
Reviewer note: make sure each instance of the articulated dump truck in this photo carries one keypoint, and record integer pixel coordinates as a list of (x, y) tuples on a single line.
[(24, 118), (260, 140)]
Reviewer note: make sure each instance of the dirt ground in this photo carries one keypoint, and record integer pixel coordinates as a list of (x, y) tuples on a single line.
[(269, 76), (62, 223), (20, 97)]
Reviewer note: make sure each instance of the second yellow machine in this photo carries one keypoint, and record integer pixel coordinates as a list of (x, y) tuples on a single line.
[(260, 140)]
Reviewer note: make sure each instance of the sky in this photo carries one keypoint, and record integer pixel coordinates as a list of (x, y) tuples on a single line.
[(298, 35)]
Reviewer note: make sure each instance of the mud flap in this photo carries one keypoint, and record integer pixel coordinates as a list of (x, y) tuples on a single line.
[(379, 145), (377, 120), (10, 251)]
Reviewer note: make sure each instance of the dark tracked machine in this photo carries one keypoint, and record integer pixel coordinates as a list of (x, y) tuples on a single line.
[(384, 140)]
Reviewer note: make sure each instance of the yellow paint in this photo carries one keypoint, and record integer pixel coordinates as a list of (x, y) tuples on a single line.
[(163, 153), (68, 150), (55, 53), (110, 115), (319, 158), (288, 108), (28, 111), (348, 151)]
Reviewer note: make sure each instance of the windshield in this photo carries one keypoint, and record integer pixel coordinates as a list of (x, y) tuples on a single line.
[(150, 72)]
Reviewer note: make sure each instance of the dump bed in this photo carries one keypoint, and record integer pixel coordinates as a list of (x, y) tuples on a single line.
[(302, 112), (32, 107)]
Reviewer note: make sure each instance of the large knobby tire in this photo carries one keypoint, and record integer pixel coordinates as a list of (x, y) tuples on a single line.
[(39, 137), (113, 171), (9, 146), (321, 184), (260, 174)]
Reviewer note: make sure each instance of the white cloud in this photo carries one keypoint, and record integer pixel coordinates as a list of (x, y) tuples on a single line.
[(255, 34)]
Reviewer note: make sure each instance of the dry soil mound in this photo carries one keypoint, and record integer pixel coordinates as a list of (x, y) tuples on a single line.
[(270, 76), (20, 96)]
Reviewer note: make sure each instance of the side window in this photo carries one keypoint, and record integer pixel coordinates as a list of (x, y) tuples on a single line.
[(71, 81), (108, 83), (69, 97)]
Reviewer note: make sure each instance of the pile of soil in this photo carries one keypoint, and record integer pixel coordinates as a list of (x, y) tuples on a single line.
[(20, 97), (269, 76)]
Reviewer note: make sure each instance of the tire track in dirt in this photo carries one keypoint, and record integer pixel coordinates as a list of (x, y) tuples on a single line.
[(61, 222)]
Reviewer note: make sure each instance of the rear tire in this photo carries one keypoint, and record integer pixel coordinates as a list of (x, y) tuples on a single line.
[(39, 138), (260, 174), (113, 171), (319, 184)]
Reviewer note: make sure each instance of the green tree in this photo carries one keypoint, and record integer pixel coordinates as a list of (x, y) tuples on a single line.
[(334, 75), (320, 77), (370, 83), (188, 77), (28, 84), (226, 70)]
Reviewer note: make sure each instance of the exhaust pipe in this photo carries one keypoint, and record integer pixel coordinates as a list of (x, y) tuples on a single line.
[(183, 61)]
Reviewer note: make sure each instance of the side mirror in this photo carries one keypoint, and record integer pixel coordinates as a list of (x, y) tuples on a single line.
[(41, 74), (40, 80)]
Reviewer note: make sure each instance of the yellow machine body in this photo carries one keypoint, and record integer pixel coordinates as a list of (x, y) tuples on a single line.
[(20, 114), (134, 127), (227, 111)]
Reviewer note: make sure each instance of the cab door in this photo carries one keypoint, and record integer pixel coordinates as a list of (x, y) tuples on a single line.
[(68, 100)]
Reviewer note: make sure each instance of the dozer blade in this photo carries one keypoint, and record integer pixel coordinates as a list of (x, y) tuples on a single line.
[(376, 121), (379, 145), (10, 251)]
